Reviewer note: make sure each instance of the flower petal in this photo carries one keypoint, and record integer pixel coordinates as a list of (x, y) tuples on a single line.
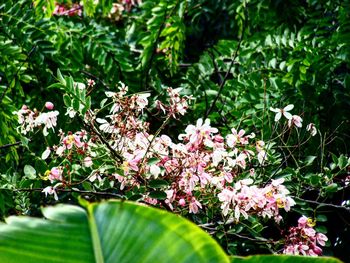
[(278, 116), (287, 115), (288, 107)]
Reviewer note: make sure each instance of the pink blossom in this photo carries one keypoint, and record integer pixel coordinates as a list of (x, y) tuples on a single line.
[(195, 135), (321, 239), (55, 174), (49, 105), (182, 202), (296, 121), (302, 239), (194, 206), (141, 100), (235, 137), (302, 221), (91, 82), (71, 140)]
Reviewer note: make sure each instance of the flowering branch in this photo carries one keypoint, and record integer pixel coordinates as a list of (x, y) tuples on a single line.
[(103, 140)]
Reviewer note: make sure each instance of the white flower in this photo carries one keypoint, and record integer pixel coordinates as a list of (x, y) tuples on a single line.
[(141, 100), (71, 112), (312, 129), (105, 126), (51, 191), (154, 170), (283, 111), (49, 119), (87, 162), (110, 94), (262, 156)]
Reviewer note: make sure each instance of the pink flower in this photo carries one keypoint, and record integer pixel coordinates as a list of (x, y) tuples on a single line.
[(49, 105), (196, 135), (55, 174), (302, 221), (296, 121), (141, 100), (321, 239), (91, 82), (71, 140), (284, 112), (310, 232), (194, 206), (302, 239), (226, 197), (182, 202), (235, 137), (132, 161)]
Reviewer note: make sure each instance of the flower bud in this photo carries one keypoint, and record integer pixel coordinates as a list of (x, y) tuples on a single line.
[(49, 105), (182, 202)]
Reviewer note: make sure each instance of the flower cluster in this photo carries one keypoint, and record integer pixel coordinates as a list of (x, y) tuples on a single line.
[(304, 240), (124, 115), (246, 199), (177, 104), (202, 168), (204, 162), (29, 119), (119, 7), (64, 10)]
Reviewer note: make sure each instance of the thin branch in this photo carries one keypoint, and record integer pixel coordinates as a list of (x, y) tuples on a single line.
[(222, 84), (10, 145), (99, 135), (347, 209)]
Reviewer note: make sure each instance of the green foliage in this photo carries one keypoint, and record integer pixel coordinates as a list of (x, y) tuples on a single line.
[(111, 232), (237, 59), (107, 232)]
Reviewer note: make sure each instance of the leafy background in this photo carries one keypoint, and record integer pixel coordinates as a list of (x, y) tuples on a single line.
[(237, 59)]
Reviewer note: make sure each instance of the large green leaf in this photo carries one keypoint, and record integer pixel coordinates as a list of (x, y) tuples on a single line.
[(112, 231)]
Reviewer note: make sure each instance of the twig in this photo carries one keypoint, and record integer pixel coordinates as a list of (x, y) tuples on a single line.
[(10, 145), (92, 128), (347, 209), (222, 84)]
